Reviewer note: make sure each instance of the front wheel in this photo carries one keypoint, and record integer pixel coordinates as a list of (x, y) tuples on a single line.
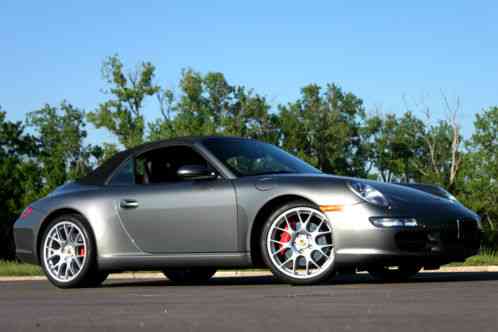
[(298, 244), (189, 275), (403, 272)]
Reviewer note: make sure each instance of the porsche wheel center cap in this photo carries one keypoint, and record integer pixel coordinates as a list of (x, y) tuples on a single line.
[(302, 242), (69, 251)]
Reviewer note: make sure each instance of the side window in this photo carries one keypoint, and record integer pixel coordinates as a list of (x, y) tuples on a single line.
[(125, 175), (161, 165)]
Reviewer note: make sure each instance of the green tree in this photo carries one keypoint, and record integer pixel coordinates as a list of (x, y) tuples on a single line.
[(441, 158), (164, 127), (122, 113), (325, 128), (479, 190), (60, 133), (194, 112), (395, 146), (209, 105), (249, 115), (21, 181)]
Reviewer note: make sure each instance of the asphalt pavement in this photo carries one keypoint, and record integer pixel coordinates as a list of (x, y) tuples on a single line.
[(463, 301)]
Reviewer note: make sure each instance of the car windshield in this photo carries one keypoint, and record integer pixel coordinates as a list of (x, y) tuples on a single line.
[(250, 158)]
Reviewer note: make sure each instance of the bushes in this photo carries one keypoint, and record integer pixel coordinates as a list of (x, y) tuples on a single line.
[(490, 239)]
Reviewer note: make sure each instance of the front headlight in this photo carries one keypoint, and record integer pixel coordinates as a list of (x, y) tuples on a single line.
[(368, 193)]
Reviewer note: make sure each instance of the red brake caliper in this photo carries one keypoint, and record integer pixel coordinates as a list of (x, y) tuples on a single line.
[(81, 251), (284, 238)]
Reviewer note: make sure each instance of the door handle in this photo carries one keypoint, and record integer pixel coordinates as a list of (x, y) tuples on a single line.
[(128, 204)]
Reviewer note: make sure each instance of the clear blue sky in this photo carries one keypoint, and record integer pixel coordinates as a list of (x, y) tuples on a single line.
[(379, 50)]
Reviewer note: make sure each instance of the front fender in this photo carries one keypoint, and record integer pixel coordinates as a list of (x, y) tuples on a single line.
[(252, 197)]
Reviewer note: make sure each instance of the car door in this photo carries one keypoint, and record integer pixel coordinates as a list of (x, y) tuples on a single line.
[(167, 215)]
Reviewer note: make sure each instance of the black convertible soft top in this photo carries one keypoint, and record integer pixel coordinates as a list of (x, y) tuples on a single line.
[(100, 175)]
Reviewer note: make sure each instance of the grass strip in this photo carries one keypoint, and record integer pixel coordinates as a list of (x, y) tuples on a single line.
[(486, 257), (15, 269)]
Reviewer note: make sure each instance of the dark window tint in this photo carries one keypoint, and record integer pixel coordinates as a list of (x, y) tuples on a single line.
[(161, 165)]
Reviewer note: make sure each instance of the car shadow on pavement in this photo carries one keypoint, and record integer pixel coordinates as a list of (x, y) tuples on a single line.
[(216, 281), (425, 277), (361, 278)]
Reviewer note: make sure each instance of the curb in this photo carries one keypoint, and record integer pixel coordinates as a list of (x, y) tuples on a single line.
[(449, 269), (253, 273)]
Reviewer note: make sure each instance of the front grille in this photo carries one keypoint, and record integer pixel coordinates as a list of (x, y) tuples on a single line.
[(462, 234), (452, 238)]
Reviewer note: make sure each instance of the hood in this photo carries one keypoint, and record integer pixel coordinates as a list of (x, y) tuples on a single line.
[(403, 194), (423, 203), (397, 195)]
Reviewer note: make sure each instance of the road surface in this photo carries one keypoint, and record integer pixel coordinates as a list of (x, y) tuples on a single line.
[(430, 302)]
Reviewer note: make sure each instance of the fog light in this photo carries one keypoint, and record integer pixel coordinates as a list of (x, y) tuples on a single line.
[(393, 222)]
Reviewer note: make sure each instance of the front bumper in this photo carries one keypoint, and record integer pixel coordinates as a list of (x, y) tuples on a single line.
[(440, 238), (421, 246)]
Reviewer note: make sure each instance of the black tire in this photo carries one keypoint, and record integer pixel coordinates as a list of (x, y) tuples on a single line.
[(89, 275), (403, 272), (189, 275), (326, 275)]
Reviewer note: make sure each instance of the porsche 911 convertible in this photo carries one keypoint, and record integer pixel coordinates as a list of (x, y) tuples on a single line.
[(190, 206)]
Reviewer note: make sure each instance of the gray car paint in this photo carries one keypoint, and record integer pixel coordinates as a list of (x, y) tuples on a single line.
[(210, 222), (189, 216)]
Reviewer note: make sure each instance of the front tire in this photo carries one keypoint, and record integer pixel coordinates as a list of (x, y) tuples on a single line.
[(189, 275), (68, 253), (298, 244)]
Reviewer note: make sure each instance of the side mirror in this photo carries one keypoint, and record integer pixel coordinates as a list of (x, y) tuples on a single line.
[(195, 172)]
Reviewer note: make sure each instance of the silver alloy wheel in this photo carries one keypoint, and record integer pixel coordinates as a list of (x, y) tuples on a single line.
[(64, 251), (300, 243)]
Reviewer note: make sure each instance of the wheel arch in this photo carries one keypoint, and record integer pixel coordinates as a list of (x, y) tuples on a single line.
[(55, 214), (257, 225)]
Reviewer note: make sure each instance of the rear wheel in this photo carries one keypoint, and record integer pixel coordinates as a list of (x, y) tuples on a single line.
[(403, 272), (68, 255), (297, 244), (189, 275)]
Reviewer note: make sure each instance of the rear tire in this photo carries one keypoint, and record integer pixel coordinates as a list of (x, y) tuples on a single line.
[(189, 275), (68, 253), (403, 272)]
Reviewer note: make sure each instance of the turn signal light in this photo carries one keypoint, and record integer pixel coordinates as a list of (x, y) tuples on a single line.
[(331, 208)]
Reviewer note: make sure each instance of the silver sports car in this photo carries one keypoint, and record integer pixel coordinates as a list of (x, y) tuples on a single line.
[(189, 206)]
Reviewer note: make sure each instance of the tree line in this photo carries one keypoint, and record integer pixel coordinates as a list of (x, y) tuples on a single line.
[(326, 125)]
